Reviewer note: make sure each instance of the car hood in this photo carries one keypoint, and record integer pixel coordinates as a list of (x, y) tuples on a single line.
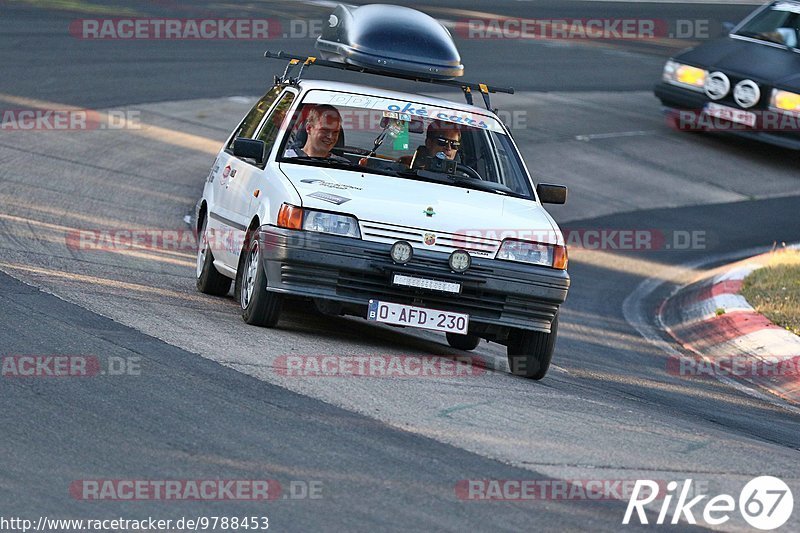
[(383, 202), (764, 63)]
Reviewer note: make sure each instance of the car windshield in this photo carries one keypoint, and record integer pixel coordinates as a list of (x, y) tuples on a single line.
[(780, 24), (406, 140)]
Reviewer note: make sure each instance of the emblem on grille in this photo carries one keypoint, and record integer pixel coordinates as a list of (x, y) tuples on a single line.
[(429, 239), (717, 85), (747, 93)]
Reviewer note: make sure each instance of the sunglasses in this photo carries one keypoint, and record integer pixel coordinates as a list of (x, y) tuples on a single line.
[(454, 145)]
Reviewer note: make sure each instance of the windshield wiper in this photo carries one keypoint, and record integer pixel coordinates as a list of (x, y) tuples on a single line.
[(488, 186), (326, 160), (458, 181), (343, 163)]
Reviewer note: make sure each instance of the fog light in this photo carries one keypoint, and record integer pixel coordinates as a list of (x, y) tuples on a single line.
[(460, 261), (401, 252)]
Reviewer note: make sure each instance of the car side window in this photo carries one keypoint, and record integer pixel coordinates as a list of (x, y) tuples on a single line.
[(271, 128), (250, 122)]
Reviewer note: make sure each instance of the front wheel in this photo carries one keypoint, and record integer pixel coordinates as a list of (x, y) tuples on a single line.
[(463, 342), (530, 352), (259, 306)]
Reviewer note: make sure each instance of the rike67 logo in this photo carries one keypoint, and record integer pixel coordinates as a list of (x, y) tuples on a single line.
[(765, 502)]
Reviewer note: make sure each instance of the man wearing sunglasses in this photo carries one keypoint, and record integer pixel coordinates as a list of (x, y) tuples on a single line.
[(444, 137)]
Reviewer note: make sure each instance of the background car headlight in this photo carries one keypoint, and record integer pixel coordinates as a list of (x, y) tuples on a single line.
[(550, 255), (785, 101), (343, 225), (684, 75)]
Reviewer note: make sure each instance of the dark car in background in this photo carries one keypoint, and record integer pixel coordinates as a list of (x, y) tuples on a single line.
[(747, 83)]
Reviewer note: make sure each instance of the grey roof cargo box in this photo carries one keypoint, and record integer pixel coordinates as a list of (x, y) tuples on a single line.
[(387, 38)]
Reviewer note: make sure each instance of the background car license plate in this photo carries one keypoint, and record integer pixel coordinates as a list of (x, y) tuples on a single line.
[(417, 317), (732, 114)]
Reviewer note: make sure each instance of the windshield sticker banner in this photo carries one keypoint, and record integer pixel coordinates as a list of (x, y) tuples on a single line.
[(411, 109)]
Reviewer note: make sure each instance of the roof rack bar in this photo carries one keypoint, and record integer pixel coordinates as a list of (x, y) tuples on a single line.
[(307, 61)]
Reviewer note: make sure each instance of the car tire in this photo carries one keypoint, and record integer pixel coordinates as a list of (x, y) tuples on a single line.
[(530, 352), (463, 342), (209, 280), (259, 306)]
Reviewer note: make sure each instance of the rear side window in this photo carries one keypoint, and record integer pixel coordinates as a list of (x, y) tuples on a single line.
[(250, 123)]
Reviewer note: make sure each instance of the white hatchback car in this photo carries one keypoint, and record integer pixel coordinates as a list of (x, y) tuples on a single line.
[(379, 227)]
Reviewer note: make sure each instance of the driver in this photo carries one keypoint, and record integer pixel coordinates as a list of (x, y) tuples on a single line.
[(444, 137), (323, 126)]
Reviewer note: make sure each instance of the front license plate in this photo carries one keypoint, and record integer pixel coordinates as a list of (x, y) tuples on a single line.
[(424, 283), (417, 317), (731, 114)]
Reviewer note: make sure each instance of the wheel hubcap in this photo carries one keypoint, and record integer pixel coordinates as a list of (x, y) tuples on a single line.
[(250, 272)]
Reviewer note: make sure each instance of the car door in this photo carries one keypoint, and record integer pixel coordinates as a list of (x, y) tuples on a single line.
[(222, 222), (245, 177)]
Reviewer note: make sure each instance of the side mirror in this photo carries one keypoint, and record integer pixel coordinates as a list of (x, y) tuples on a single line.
[(551, 194), (727, 27), (250, 149)]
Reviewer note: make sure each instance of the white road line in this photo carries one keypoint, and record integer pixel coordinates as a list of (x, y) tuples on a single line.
[(614, 135)]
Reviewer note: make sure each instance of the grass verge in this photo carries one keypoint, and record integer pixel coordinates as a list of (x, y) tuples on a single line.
[(774, 291)]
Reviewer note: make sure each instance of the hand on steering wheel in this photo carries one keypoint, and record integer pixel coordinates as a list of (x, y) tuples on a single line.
[(469, 171)]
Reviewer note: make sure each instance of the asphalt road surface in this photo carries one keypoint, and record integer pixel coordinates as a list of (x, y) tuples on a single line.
[(202, 396)]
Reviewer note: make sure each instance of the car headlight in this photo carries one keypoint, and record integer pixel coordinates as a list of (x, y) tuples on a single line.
[(536, 253), (785, 101), (343, 225), (292, 217), (684, 75)]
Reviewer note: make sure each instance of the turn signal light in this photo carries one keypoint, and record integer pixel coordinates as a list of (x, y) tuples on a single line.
[(290, 217), (560, 259)]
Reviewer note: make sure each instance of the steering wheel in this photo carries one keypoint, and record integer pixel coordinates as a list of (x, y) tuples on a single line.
[(469, 171)]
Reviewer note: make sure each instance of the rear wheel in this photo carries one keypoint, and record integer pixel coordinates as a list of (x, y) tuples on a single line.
[(463, 342), (209, 280), (530, 352), (259, 306)]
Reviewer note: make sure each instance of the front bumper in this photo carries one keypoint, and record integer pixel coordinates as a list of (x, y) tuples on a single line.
[(677, 99), (352, 271)]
